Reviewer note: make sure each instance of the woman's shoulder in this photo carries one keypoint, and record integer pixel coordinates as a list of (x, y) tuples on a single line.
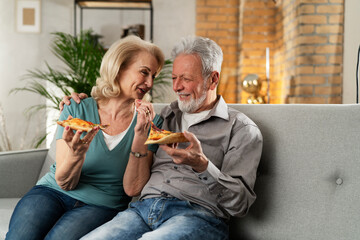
[(84, 103), (84, 108)]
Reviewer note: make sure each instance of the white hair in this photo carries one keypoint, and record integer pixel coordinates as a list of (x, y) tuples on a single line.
[(209, 52)]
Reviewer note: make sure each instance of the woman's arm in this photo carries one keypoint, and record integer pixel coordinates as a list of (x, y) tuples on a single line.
[(138, 168), (68, 166), (70, 157)]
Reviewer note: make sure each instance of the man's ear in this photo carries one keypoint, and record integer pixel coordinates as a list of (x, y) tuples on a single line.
[(214, 80)]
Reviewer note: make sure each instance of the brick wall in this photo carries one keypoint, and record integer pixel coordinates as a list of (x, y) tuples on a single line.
[(258, 32), (315, 53), (304, 36), (219, 20)]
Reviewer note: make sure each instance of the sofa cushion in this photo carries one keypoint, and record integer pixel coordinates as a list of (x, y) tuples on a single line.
[(19, 171), (7, 206), (50, 158)]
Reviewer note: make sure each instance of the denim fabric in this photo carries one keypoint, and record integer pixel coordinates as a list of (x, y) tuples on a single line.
[(44, 213), (162, 219)]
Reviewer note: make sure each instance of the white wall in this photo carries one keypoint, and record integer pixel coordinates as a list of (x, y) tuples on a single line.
[(351, 45), (173, 19), (20, 52)]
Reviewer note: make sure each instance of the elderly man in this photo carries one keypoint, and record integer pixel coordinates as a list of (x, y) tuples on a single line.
[(193, 188)]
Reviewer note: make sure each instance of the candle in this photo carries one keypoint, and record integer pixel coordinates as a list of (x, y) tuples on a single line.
[(267, 63)]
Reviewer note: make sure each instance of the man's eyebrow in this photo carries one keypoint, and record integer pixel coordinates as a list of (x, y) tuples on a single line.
[(188, 75)]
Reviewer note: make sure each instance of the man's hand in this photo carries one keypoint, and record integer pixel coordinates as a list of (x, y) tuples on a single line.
[(76, 96), (192, 155)]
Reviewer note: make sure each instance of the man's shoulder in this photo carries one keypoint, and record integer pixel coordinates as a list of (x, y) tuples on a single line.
[(240, 117), (167, 110)]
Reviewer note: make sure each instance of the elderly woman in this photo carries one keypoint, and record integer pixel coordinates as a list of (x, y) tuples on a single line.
[(84, 188)]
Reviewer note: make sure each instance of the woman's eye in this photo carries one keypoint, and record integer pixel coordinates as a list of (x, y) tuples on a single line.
[(145, 73)]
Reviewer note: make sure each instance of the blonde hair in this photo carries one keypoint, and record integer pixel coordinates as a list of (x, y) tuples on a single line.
[(118, 57)]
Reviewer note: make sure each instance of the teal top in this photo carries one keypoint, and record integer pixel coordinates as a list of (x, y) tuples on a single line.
[(101, 180)]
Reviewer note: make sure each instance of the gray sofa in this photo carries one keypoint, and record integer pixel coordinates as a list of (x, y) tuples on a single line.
[(308, 184)]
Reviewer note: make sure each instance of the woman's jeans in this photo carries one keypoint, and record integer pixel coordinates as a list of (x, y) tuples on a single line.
[(44, 213), (162, 219)]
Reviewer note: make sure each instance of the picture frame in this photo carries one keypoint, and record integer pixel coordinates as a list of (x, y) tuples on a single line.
[(28, 14)]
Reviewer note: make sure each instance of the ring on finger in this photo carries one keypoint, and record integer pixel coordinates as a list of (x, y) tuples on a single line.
[(83, 142), (147, 111)]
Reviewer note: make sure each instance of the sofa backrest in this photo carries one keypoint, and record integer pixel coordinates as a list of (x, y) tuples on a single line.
[(309, 173)]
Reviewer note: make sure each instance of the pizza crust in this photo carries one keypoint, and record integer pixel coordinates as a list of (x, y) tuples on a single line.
[(171, 138)]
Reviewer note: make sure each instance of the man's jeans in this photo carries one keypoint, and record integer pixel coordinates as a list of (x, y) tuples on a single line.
[(162, 218), (44, 213)]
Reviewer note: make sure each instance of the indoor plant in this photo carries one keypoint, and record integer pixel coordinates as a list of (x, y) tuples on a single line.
[(82, 57)]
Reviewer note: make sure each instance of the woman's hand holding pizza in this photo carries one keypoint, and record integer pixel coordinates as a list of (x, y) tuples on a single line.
[(77, 145), (192, 155)]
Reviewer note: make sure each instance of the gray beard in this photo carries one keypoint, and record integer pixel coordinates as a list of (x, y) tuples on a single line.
[(192, 105)]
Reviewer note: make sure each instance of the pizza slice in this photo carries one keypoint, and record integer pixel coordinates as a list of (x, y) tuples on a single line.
[(79, 124), (161, 136)]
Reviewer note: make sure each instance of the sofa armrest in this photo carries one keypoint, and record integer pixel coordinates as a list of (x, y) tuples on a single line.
[(19, 171)]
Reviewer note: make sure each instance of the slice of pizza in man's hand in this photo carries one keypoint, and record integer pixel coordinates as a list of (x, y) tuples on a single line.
[(160, 136), (79, 124)]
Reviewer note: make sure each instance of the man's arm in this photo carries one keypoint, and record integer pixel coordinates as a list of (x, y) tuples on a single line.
[(232, 185)]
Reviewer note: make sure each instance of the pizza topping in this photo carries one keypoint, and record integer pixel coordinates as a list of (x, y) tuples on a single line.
[(79, 124), (162, 136), (157, 133)]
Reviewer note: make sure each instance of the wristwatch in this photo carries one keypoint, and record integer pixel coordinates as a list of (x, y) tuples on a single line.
[(138, 155)]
